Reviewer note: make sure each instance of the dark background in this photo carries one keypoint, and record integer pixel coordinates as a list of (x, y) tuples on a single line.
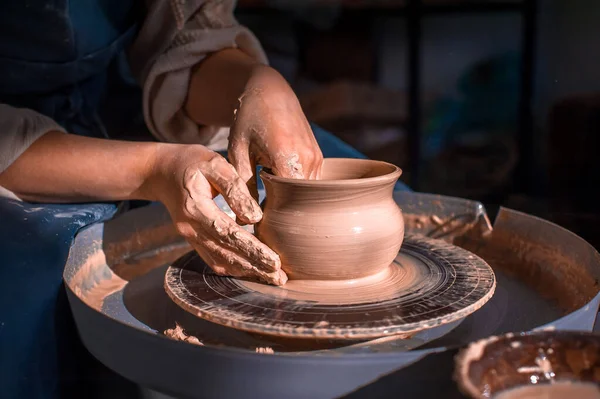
[(497, 101)]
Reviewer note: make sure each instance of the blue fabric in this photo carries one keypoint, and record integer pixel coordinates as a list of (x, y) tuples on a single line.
[(69, 61), (36, 342)]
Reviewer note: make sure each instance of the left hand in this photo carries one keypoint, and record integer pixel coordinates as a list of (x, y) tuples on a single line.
[(270, 130)]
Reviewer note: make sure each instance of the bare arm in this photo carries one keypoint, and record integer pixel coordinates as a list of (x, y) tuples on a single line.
[(217, 83), (268, 127), (175, 37), (60, 167)]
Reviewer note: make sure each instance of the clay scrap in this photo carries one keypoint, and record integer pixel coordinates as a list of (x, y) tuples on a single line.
[(178, 334)]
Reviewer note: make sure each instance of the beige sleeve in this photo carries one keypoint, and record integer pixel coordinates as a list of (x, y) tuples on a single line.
[(19, 128), (175, 36)]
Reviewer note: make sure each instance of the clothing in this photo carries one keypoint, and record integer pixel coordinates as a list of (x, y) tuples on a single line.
[(91, 64), (88, 67), (73, 72), (41, 356)]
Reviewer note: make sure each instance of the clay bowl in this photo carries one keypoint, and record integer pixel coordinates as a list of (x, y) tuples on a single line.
[(344, 226), (559, 363)]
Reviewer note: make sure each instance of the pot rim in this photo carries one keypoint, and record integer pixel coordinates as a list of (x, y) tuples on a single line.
[(266, 174)]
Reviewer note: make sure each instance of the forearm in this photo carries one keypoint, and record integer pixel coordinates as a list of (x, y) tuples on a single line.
[(61, 167), (218, 82)]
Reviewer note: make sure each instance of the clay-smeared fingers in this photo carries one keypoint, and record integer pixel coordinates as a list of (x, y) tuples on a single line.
[(227, 263), (224, 178), (215, 224), (244, 164), (317, 164)]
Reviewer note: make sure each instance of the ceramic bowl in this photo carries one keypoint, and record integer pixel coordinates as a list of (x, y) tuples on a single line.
[(500, 365)]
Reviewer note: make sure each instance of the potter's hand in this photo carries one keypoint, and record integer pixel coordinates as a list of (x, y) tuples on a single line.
[(186, 179), (270, 129)]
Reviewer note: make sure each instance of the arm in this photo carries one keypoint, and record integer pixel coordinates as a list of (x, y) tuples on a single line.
[(217, 83), (60, 167), (175, 38), (203, 72), (268, 127)]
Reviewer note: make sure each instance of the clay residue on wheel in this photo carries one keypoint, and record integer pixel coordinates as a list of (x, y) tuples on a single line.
[(459, 284), (558, 390), (401, 277), (179, 334), (94, 281), (446, 227), (266, 350), (549, 271), (145, 250)]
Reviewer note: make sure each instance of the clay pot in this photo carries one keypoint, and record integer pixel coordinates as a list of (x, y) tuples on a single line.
[(344, 226)]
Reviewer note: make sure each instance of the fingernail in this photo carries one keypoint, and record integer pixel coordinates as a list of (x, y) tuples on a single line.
[(253, 211), (270, 259), (280, 278)]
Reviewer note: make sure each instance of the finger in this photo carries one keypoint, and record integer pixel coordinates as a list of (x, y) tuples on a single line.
[(224, 178), (317, 154), (227, 263), (244, 163), (252, 185), (315, 173), (288, 165), (216, 224)]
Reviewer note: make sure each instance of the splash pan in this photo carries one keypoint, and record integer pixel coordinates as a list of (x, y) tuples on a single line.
[(546, 278)]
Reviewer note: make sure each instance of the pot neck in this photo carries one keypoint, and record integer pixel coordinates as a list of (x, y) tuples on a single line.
[(357, 195)]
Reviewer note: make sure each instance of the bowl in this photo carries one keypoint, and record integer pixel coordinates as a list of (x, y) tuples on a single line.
[(544, 364)]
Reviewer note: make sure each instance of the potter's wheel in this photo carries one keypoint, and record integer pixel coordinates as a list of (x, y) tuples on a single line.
[(123, 262), (429, 284)]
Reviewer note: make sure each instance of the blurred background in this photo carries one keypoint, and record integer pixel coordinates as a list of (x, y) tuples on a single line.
[(491, 100)]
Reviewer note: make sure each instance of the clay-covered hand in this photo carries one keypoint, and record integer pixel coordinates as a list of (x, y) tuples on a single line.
[(270, 130), (186, 179)]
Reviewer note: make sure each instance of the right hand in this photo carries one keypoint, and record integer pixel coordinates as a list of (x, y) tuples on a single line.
[(186, 179)]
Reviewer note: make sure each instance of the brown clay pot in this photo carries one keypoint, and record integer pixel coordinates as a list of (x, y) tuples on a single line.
[(344, 226)]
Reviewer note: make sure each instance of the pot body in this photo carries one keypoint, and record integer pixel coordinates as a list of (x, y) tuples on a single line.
[(332, 231)]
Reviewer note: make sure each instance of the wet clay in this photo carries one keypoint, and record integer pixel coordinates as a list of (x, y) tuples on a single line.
[(344, 226), (435, 283), (266, 350), (402, 276), (556, 364), (93, 284), (553, 274), (178, 334), (559, 390)]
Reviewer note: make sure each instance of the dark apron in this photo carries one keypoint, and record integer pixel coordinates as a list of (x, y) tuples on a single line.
[(64, 59)]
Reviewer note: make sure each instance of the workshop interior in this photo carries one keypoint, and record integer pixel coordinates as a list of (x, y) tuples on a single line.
[(491, 111), (472, 99)]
